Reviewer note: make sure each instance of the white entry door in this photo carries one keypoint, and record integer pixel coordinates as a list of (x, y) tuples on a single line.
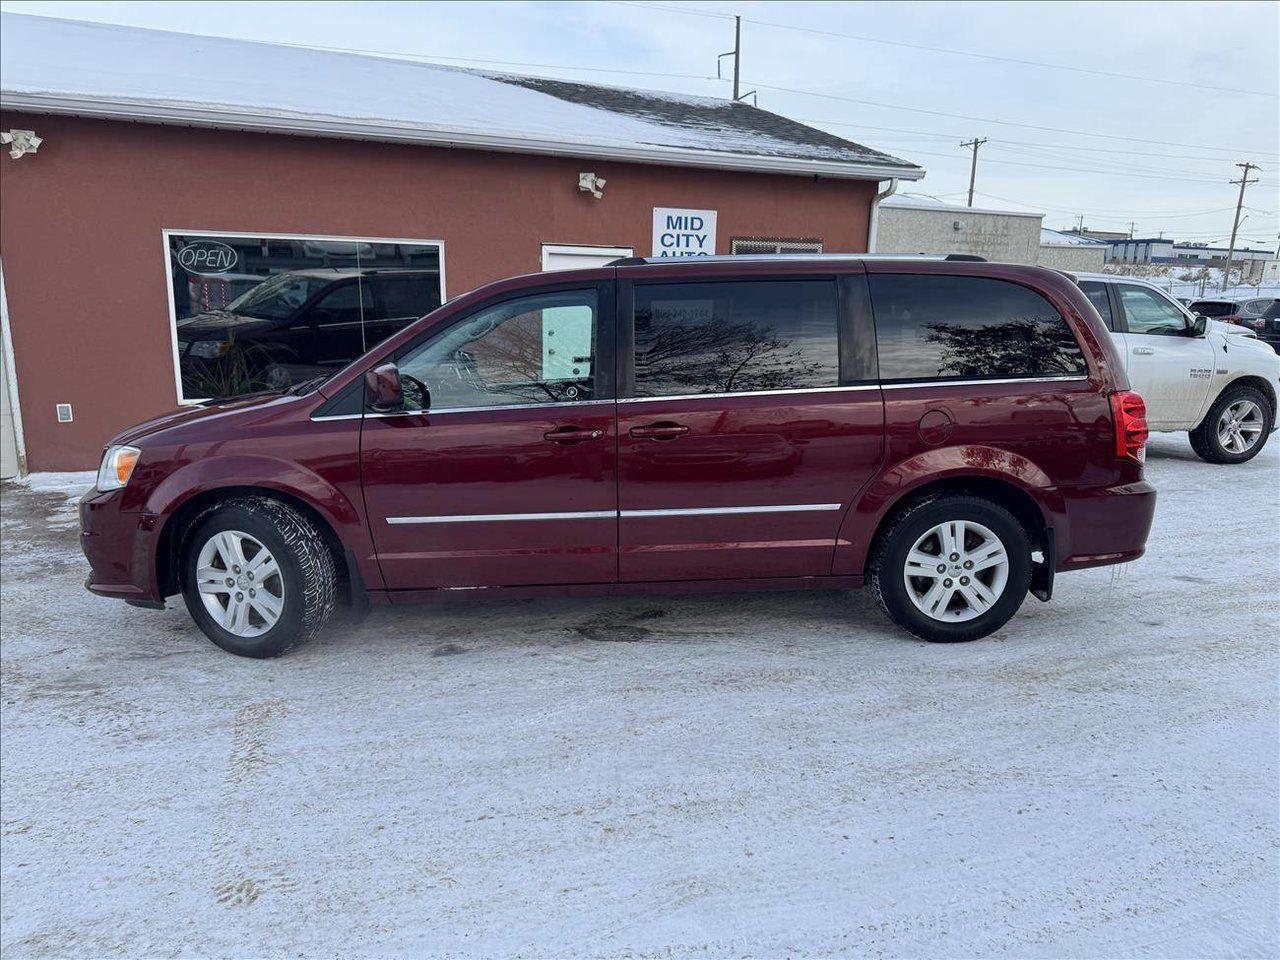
[(557, 256)]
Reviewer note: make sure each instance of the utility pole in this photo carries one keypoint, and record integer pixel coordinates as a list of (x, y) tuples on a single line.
[(1244, 181), (1132, 227), (1080, 223), (973, 167), (736, 53)]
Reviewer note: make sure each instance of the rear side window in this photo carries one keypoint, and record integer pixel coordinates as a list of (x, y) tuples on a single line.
[(1213, 308), (968, 328), (1096, 291), (735, 336)]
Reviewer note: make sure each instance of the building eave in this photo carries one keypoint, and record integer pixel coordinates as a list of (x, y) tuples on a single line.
[(356, 128)]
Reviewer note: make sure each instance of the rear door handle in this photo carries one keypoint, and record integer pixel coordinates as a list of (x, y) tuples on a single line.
[(570, 435), (1144, 351), (659, 431)]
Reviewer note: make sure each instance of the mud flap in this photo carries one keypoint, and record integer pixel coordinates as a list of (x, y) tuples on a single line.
[(1042, 573)]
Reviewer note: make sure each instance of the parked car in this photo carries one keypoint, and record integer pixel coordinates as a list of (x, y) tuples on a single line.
[(952, 434), (1218, 386), (292, 326), (1259, 315)]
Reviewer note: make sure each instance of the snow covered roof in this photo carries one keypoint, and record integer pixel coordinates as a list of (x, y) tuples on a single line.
[(99, 70), (919, 201), (1055, 238)]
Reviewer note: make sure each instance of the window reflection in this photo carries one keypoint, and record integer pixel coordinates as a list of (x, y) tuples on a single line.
[(695, 338), (263, 313), (937, 327)]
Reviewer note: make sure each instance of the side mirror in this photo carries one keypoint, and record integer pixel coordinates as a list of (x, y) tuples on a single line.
[(1198, 326), (382, 388)]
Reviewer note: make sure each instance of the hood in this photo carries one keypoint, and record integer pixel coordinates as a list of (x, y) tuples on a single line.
[(1233, 329), (220, 324), (186, 415)]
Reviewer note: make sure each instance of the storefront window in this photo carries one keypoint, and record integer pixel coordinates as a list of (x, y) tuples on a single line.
[(264, 313)]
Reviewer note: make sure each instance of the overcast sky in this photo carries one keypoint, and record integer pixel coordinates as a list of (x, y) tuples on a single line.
[(1203, 97)]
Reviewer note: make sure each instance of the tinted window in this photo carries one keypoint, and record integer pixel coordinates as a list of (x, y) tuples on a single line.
[(938, 328), (1146, 312), (695, 338), (1273, 311), (1213, 308), (407, 297), (346, 303), (538, 349), (1096, 291), (1256, 308)]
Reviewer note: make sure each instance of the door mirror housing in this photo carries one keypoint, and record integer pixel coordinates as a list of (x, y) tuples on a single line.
[(382, 389), (1198, 326)]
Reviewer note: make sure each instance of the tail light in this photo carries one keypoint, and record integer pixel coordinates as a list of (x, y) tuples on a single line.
[(1238, 320), (1130, 416)]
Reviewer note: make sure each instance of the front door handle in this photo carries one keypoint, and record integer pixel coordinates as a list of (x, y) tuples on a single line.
[(1144, 351), (570, 435), (659, 431)]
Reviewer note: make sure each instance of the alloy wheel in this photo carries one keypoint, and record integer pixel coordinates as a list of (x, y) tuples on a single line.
[(956, 571), (240, 583), (1240, 426)]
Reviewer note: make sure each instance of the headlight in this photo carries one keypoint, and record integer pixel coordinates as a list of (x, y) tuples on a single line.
[(117, 467), (210, 349)]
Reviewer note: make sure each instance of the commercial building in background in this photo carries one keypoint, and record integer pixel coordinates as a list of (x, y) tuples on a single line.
[(191, 217), (911, 223)]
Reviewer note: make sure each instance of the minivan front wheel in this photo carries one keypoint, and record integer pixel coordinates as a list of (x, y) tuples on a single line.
[(258, 578), (952, 568)]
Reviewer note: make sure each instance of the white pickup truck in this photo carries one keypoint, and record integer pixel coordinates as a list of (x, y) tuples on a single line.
[(1220, 387)]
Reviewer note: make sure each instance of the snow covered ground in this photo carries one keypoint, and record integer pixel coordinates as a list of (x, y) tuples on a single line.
[(767, 775)]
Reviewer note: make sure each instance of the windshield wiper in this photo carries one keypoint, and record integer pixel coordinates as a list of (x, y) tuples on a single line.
[(305, 385)]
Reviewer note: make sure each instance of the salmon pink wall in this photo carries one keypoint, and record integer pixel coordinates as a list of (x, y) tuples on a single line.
[(84, 264)]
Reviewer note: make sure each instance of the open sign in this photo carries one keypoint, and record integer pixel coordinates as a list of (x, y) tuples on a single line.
[(207, 256)]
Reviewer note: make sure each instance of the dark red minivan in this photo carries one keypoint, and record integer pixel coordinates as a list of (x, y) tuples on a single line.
[(952, 433)]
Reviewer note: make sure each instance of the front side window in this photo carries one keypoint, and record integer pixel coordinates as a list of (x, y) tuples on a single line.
[(968, 328), (735, 336), (260, 312), (1096, 291), (1146, 312), (536, 349)]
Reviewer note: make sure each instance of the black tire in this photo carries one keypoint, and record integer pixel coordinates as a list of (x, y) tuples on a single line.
[(888, 566), (1204, 438), (306, 570)]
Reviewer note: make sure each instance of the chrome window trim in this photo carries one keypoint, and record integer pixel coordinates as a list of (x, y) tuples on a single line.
[(614, 514), (439, 410), (978, 383), (751, 393)]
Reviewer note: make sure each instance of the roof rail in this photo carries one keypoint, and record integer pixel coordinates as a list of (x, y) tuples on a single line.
[(785, 257)]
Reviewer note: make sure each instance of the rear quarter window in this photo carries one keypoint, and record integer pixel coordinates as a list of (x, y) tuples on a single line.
[(968, 328)]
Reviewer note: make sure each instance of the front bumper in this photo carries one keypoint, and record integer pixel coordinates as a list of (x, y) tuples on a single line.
[(120, 546), (1104, 525)]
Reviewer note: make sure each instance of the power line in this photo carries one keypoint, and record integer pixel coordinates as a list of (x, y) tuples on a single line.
[(1015, 60), (1024, 143), (863, 38), (1007, 123), (1089, 170), (1104, 213)]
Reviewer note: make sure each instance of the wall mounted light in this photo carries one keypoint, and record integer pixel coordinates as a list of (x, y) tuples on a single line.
[(590, 183), (21, 142)]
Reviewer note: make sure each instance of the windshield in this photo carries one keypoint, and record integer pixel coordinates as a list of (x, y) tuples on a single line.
[(278, 297)]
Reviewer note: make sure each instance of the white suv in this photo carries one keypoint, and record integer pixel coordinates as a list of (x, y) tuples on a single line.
[(1219, 387)]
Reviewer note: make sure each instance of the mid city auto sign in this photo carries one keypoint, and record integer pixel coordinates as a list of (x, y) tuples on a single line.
[(683, 233)]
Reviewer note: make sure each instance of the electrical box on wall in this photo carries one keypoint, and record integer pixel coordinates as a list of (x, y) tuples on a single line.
[(64, 412)]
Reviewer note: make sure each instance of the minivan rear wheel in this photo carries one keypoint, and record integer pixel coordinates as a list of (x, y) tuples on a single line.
[(952, 568), (258, 578)]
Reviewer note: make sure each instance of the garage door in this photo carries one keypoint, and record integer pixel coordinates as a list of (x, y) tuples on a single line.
[(557, 256)]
